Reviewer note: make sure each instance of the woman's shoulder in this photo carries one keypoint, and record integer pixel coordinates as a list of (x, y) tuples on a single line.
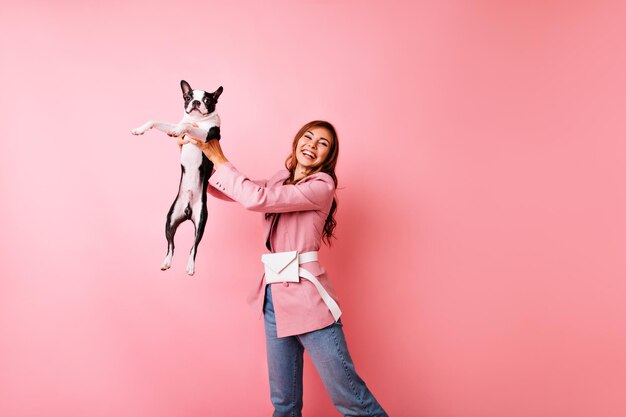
[(283, 174), (318, 176), (279, 176)]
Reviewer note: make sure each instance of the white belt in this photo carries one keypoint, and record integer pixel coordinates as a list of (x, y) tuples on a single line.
[(285, 267)]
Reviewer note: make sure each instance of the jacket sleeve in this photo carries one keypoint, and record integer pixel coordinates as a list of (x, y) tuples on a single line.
[(217, 193), (314, 194)]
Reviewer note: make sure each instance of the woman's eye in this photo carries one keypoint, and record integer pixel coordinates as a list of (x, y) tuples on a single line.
[(324, 144)]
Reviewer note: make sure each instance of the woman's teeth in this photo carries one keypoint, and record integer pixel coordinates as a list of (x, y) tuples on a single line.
[(308, 155)]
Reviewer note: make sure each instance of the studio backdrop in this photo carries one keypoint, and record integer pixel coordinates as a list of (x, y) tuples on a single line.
[(481, 224)]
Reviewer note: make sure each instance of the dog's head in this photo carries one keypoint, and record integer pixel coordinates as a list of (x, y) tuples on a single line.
[(198, 102)]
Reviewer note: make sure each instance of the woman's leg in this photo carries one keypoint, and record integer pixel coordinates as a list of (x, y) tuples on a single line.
[(329, 352), (284, 360)]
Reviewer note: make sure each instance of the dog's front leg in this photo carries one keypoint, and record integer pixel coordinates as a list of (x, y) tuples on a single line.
[(164, 127), (177, 130), (143, 128), (171, 129)]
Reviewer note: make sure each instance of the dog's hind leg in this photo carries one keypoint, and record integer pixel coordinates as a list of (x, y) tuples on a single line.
[(179, 212), (198, 218)]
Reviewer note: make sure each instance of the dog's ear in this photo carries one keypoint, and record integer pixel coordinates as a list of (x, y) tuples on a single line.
[(217, 93), (185, 87)]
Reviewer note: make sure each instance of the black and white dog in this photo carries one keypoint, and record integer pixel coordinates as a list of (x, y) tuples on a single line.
[(200, 121)]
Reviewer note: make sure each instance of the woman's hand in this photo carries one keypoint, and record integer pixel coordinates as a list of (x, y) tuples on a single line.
[(181, 138), (181, 141), (212, 149)]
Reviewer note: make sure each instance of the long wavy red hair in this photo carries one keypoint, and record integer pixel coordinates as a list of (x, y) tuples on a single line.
[(328, 166)]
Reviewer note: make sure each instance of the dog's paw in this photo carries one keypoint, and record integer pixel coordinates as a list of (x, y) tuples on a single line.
[(142, 129), (166, 264), (190, 266)]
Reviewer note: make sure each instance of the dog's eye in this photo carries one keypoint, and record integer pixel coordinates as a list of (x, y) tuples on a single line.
[(187, 98)]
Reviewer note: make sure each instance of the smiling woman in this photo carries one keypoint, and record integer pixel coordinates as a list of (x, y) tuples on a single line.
[(295, 295), (311, 150)]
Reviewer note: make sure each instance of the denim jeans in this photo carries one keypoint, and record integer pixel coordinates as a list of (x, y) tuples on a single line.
[(329, 353)]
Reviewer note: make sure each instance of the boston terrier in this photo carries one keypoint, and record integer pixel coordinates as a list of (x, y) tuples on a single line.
[(200, 121)]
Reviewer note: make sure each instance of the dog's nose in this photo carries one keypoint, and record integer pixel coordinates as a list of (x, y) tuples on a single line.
[(195, 103)]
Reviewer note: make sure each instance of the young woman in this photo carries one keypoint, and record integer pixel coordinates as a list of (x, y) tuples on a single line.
[(299, 207)]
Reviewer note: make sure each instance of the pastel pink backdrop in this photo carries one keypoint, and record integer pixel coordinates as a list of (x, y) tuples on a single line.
[(481, 226)]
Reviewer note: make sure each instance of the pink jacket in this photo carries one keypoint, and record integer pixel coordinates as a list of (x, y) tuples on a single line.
[(304, 207)]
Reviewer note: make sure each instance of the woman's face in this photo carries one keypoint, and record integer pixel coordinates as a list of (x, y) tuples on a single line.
[(313, 148)]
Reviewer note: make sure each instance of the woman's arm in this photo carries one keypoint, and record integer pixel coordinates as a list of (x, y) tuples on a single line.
[(218, 194), (314, 194)]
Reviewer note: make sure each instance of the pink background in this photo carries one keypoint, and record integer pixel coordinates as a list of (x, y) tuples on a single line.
[(481, 223)]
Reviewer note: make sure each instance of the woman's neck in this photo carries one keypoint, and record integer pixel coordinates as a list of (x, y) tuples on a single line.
[(299, 173)]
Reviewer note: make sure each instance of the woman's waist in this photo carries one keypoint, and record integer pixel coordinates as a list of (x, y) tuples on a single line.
[(307, 259)]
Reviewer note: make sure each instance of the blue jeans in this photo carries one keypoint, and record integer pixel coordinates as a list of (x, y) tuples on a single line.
[(329, 352)]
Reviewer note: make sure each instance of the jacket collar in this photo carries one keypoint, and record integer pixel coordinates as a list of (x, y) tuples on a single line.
[(283, 174)]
